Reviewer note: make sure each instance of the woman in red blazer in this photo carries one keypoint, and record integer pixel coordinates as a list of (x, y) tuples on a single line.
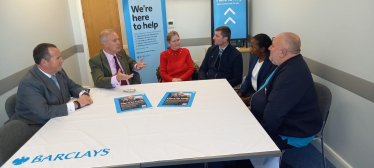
[(176, 62)]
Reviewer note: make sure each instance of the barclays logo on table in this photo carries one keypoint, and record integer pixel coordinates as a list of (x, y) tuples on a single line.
[(62, 156)]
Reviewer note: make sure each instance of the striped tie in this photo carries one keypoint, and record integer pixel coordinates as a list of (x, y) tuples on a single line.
[(220, 51)]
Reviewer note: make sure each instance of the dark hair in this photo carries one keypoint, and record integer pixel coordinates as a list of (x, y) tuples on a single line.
[(263, 40), (225, 31), (41, 52)]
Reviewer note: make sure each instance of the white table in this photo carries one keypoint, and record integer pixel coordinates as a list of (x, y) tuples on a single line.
[(218, 127)]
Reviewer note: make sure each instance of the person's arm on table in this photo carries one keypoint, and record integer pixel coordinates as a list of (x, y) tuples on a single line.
[(31, 96), (83, 100), (77, 91)]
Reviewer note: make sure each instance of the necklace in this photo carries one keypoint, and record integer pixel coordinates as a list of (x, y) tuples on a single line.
[(177, 52)]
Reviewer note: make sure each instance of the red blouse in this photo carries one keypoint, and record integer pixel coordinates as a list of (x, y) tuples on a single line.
[(176, 64)]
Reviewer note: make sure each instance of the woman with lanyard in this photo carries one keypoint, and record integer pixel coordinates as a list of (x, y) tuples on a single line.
[(259, 67)]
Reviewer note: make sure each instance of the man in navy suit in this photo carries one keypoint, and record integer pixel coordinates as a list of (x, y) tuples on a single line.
[(286, 105), (222, 60)]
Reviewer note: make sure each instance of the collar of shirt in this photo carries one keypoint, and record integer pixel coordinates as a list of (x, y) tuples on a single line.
[(48, 75), (223, 49), (108, 56)]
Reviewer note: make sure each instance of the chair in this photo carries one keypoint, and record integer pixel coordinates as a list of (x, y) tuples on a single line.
[(136, 78), (324, 103), (10, 105), (195, 75), (13, 135)]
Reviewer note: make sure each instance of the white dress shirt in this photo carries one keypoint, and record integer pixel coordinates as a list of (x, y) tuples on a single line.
[(254, 75)]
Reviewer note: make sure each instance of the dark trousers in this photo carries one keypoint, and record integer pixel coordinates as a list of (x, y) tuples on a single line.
[(35, 127)]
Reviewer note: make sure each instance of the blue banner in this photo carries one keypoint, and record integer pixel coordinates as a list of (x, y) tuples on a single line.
[(233, 14), (146, 30)]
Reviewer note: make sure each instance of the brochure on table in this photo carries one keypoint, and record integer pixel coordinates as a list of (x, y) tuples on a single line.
[(177, 99), (132, 102)]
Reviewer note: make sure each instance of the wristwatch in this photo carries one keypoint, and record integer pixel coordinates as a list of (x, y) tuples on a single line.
[(79, 105)]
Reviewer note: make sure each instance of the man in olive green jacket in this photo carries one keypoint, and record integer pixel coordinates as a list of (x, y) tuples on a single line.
[(111, 66)]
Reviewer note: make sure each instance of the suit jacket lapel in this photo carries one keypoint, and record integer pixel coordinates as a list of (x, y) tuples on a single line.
[(215, 56), (105, 62), (264, 70), (252, 64), (49, 83), (63, 89), (123, 63)]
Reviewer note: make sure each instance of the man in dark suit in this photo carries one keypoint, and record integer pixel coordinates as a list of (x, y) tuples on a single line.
[(222, 60), (286, 104), (111, 66), (45, 91)]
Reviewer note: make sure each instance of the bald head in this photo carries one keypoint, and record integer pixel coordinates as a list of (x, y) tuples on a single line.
[(291, 42), (285, 46)]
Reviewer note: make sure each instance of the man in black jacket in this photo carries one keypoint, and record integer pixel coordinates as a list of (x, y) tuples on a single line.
[(222, 60), (286, 105)]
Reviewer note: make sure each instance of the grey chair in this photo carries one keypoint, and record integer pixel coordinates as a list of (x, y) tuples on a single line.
[(136, 77), (324, 103), (10, 105), (13, 135)]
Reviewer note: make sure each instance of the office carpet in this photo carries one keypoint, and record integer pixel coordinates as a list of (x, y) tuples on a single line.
[(305, 157)]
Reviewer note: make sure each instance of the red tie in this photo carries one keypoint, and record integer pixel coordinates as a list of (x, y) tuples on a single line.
[(123, 82)]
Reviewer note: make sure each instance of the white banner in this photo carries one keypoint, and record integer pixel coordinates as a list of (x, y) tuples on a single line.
[(145, 22)]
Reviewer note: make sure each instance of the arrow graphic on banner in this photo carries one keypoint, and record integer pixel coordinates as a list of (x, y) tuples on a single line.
[(232, 20), (229, 10)]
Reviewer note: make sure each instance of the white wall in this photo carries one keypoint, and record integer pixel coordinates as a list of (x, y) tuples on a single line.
[(80, 38), (191, 18), (24, 24), (338, 34)]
